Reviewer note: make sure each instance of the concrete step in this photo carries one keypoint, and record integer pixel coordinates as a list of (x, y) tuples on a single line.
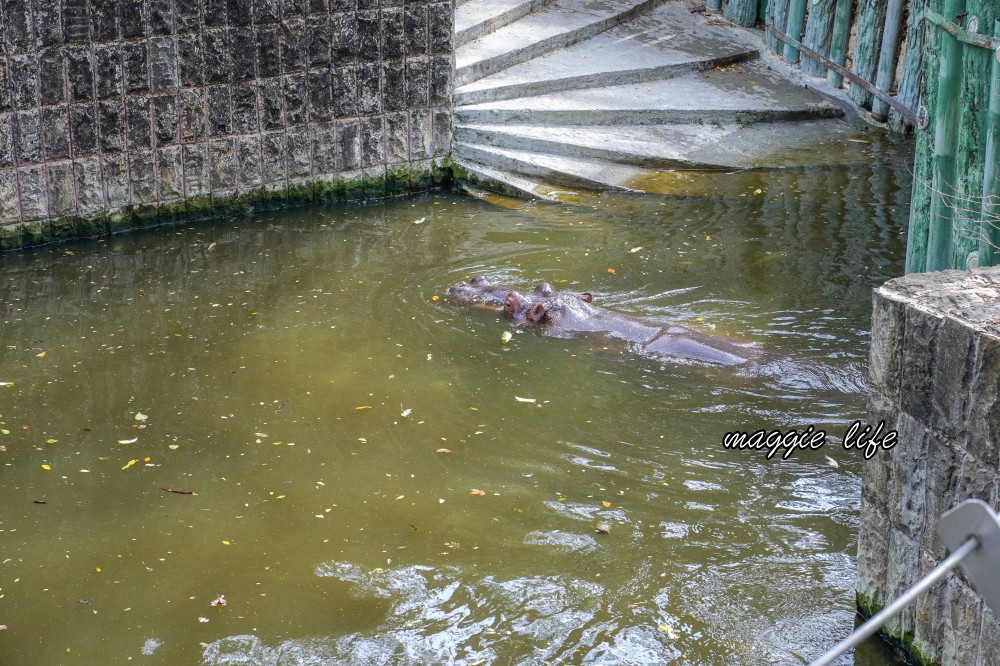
[(746, 93), (559, 24), (666, 42), (686, 146), (498, 180), (573, 172), (475, 18)]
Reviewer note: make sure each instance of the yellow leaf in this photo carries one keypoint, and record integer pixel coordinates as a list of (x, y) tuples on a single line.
[(477, 491), (435, 297), (611, 271), (505, 338), (524, 399), (226, 543), (360, 407), (129, 464), (97, 569), (606, 504), (51, 441), (401, 497), (128, 441), (173, 447), (4, 431), (6, 383), (443, 451), (47, 468), (41, 354)]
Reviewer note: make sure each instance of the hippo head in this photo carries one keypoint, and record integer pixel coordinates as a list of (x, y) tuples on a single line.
[(477, 290)]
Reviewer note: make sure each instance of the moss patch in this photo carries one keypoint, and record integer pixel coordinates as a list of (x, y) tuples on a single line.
[(869, 606), (356, 186)]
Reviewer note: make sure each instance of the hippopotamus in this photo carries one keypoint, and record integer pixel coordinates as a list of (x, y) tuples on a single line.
[(558, 314), (481, 292)]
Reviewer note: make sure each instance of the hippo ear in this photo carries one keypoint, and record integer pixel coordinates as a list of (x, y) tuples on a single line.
[(536, 313), (587, 297), (479, 281), (545, 289)]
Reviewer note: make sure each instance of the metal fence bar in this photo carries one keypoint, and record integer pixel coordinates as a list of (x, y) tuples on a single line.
[(876, 621), (847, 74)]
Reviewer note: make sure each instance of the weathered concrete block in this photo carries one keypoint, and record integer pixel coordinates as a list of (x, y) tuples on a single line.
[(244, 100), (320, 84), (421, 134), (930, 610), (441, 20), (908, 477), (415, 31), (977, 480), (218, 63), (344, 39), (110, 74), (394, 86), (345, 92), (294, 47), (104, 20), (162, 64), (348, 145), (295, 98), (268, 52), (27, 137), (216, 13), (223, 164), (319, 37), (161, 17), (4, 85), (368, 25), (19, 32), (188, 15), (272, 150), (195, 156), (888, 317), (138, 122), (133, 18), (372, 142), (965, 613), (220, 116), (240, 12), (393, 39), (243, 42), (135, 57), (248, 162), (52, 76), (876, 472), (337, 6), (266, 11), (116, 185), (48, 23), (397, 137), (55, 132), (89, 186), (441, 81), (191, 113), (166, 120), (80, 66), (142, 177), (369, 89), (6, 141), (441, 138), (272, 104), (917, 363), (944, 465), (984, 408), (191, 60), (901, 574), (417, 83), (23, 81), (324, 148), (290, 8), (34, 202), (111, 125), (953, 366), (171, 174), (873, 558), (989, 640), (10, 212), (299, 152)]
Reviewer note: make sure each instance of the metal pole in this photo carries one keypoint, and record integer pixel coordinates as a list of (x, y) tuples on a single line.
[(838, 41), (793, 28), (887, 56), (876, 621), (989, 233), (713, 5)]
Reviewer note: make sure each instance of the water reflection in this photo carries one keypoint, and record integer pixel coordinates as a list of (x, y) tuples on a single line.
[(365, 486)]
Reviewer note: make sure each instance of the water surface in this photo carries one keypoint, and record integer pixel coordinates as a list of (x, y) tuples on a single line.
[(366, 486)]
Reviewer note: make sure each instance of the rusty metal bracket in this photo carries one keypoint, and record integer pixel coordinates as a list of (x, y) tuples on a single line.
[(956, 31), (909, 114)]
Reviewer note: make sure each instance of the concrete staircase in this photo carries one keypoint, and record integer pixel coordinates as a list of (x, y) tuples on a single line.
[(608, 94)]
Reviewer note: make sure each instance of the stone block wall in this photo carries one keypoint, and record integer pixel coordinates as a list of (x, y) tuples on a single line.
[(935, 378), (131, 110)]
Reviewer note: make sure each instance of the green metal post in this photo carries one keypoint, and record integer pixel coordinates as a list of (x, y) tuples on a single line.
[(777, 15), (887, 56), (713, 5), (838, 41), (989, 240), (939, 237), (907, 93), (793, 28), (817, 35)]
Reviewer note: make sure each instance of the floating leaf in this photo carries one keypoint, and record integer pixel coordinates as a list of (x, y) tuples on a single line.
[(4, 431), (831, 462), (128, 441), (406, 412), (443, 451), (41, 354), (435, 297), (477, 491), (173, 447), (400, 497), (51, 441), (97, 569), (260, 434), (226, 543), (6, 383), (360, 407), (524, 399), (203, 619), (505, 338), (140, 417), (611, 271), (606, 504), (635, 249), (47, 468), (129, 464), (665, 628), (420, 221), (221, 599)]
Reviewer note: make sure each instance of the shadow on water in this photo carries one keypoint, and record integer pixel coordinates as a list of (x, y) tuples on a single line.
[(377, 479)]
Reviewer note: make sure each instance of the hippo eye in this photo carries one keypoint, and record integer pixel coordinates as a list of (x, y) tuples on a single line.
[(478, 281)]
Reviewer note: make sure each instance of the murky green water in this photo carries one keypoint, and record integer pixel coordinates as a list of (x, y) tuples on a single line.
[(296, 373)]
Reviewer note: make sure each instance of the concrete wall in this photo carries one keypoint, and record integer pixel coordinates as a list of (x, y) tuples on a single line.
[(124, 112), (935, 377)]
